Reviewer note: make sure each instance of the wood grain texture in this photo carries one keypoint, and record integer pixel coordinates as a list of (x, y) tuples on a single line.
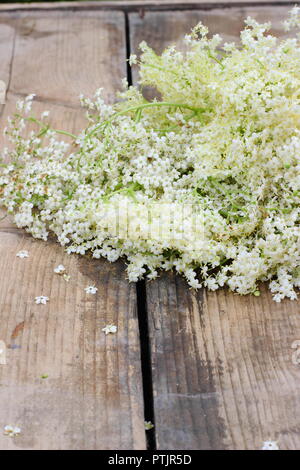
[(60, 55), (130, 5), (7, 39), (223, 375), (92, 397), (223, 372)]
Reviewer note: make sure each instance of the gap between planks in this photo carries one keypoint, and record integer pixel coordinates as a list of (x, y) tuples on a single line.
[(223, 375)]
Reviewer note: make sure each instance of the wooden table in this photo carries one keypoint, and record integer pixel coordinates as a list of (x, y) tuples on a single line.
[(212, 370)]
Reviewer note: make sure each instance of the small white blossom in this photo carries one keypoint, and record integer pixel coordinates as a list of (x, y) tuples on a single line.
[(109, 329), (148, 425), (133, 59), (44, 114), (270, 445), (41, 299), (11, 431), (59, 269), (23, 254), (91, 290)]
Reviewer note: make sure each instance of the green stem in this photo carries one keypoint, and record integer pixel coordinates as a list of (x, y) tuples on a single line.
[(143, 106), (73, 136), (42, 124), (215, 59)]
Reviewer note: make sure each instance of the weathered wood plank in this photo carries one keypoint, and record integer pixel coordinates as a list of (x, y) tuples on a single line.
[(92, 398), (7, 38), (131, 5), (60, 55), (223, 374)]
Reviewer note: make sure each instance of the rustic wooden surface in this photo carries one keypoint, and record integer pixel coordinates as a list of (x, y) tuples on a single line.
[(223, 376), (92, 398), (130, 5)]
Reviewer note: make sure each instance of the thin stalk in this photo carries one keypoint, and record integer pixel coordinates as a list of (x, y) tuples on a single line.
[(57, 131), (143, 106), (215, 59)]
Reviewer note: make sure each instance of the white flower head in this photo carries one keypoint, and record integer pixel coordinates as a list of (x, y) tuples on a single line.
[(91, 289), (132, 59), (148, 425), (11, 431), (110, 329), (41, 299), (270, 445), (45, 114), (179, 185), (22, 254), (59, 269)]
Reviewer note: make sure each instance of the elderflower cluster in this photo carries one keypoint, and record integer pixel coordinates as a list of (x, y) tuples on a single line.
[(204, 180)]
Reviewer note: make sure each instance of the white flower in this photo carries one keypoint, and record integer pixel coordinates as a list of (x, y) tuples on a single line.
[(45, 114), (59, 269), (109, 329), (148, 425), (11, 431), (41, 299), (270, 445), (91, 290), (23, 254), (132, 59)]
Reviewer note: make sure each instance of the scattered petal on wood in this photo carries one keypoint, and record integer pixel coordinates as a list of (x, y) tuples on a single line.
[(60, 269), (2, 357), (11, 431), (91, 289), (41, 299), (148, 425), (109, 329), (270, 445), (2, 92), (2, 353), (23, 254)]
